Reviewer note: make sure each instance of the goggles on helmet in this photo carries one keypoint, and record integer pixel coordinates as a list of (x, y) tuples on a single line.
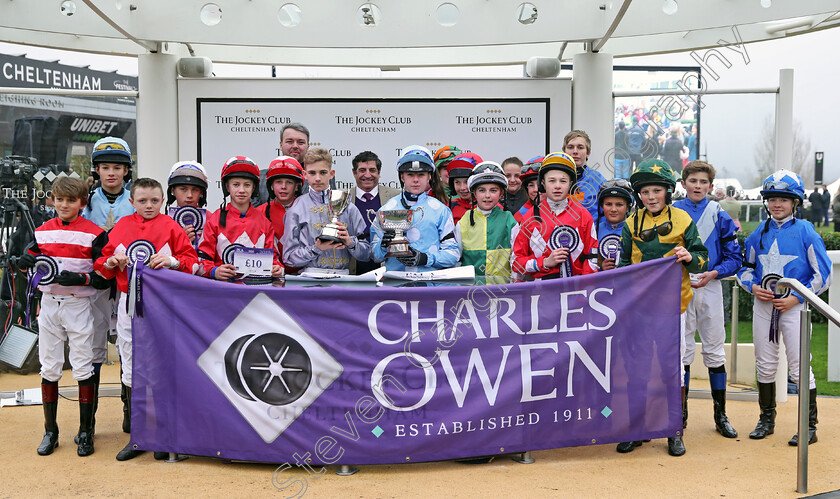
[(109, 145), (485, 168), (776, 185), (531, 168), (617, 182)]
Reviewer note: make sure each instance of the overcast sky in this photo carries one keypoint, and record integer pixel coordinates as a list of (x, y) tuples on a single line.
[(731, 125)]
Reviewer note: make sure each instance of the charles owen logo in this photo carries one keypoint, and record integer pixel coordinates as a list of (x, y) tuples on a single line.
[(268, 367)]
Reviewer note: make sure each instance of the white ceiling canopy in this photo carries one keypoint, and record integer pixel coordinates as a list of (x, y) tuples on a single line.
[(399, 33)]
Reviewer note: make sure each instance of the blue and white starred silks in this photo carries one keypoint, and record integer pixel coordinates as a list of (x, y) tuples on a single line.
[(798, 252)]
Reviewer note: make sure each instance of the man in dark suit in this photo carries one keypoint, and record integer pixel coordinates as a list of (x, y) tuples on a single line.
[(816, 207), (826, 204), (623, 163), (636, 142), (369, 196)]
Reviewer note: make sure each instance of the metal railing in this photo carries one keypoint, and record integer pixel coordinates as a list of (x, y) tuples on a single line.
[(733, 330), (804, 370), (781, 378)]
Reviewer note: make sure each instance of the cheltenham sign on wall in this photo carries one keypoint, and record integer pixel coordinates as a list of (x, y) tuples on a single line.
[(496, 119)]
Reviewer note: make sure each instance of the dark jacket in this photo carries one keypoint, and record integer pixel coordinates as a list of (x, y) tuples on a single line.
[(671, 152), (621, 142), (816, 200)]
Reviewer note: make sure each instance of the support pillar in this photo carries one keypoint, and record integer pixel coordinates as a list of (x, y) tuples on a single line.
[(157, 115), (784, 159), (784, 120), (592, 107)]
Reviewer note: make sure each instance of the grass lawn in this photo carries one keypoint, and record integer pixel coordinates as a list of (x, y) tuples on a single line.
[(748, 227), (819, 353)]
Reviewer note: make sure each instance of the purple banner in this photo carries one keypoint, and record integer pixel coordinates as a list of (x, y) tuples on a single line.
[(404, 374)]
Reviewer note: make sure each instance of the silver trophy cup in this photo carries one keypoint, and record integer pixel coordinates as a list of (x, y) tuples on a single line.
[(337, 202), (399, 221)]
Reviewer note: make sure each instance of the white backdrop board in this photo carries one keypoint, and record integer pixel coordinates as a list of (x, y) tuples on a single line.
[(496, 119)]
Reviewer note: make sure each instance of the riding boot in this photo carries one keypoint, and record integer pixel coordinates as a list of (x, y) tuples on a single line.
[(625, 447), (812, 420), (49, 396), (767, 404), (637, 407), (686, 379), (125, 396), (85, 417), (722, 424), (676, 447), (95, 379), (128, 452), (717, 379)]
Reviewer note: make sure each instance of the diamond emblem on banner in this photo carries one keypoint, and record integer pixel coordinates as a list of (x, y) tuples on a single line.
[(271, 367), (268, 367), (38, 176), (377, 431), (50, 176), (606, 412)]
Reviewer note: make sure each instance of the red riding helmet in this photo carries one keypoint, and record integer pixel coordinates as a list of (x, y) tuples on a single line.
[(284, 167), (241, 167)]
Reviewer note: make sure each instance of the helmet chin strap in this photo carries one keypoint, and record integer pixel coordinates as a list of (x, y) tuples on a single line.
[(766, 204), (796, 202)]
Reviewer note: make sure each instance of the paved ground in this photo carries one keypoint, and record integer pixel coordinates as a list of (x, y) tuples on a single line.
[(712, 467)]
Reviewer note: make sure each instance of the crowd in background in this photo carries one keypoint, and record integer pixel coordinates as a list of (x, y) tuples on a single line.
[(642, 135)]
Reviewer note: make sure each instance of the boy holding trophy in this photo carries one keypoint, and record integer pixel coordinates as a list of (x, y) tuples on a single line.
[(427, 233), (323, 226)]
